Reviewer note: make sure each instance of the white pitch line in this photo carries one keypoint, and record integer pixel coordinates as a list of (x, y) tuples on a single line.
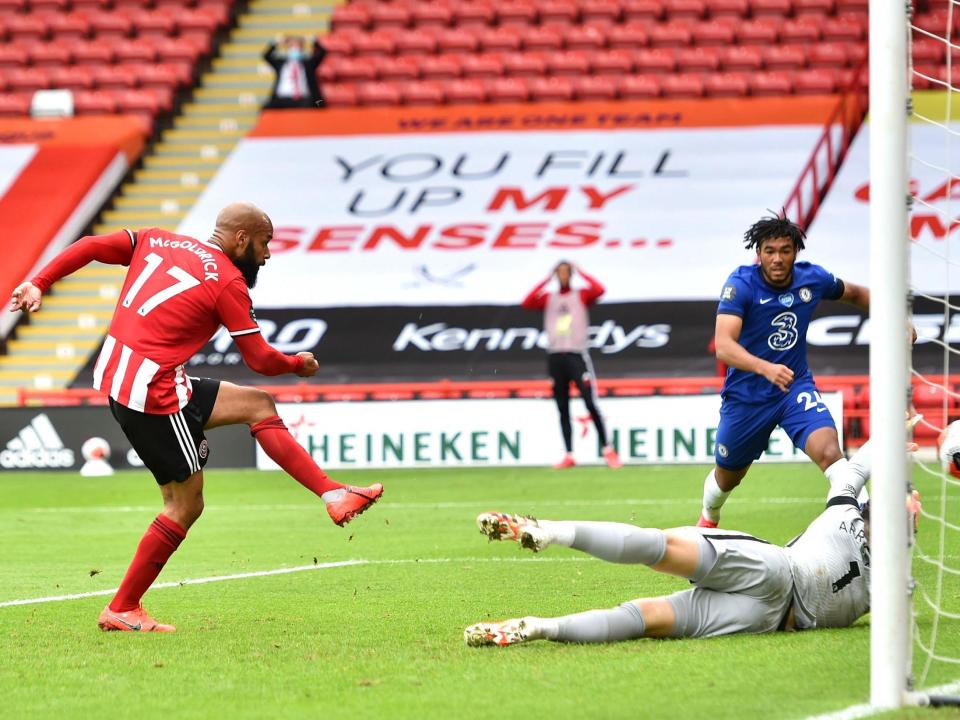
[(287, 571), (861, 711), (413, 505)]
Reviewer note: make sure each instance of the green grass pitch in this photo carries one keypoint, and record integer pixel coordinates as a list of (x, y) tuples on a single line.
[(384, 639)]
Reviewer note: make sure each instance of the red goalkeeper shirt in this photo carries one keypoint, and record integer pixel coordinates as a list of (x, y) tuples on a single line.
[(177, 292)]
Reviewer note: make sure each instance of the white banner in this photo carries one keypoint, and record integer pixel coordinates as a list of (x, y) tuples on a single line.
[(462, 433), (842, 226), (480, 218)]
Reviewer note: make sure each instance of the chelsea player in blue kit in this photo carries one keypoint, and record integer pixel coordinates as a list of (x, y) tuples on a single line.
[(761, 334)]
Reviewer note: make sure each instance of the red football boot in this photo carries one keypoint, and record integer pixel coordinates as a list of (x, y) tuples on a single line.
[(130, 621), (352, 502)]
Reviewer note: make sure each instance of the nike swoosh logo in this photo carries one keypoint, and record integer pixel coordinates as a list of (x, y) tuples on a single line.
[(135, 628), (764, 301)]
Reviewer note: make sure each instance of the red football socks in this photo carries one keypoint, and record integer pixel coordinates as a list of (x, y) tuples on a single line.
[(285, 451), (160, 541)]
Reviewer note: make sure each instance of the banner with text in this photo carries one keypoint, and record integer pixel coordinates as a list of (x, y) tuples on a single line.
[(461, 433), (449, 217)]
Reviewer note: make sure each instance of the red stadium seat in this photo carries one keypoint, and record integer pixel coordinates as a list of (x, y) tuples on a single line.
[(655, 61), (135, 51), (685, 9), (13, 56), (128, 5), (814, 82), (648, 11), (94, 103), (50, 54), (340, 43), (728, 8), (115, 77), (852, 6), (54, 6), (487, 65), (927, 51), (9, 7), (529, 64), (670, 35), (726, 85), (414, 42), (26, 27), (69, 26), (812, 7), (387, 15), (93, 53), (163, 96), (140, 102), (154, 23), (768, 84), (568, 63), (742, 58), (468, 91), (404, 67), (500, 39), (14, 104), (629, 36), (856, 53), (158, 75), (378, 94), (775, 8), (844, 30), (457, 40), (478, 13), (805, 30), (827, 55), (72, 77), (713, 34), (507, 90), (784, 57), (431, 14), (763, 31), (612, 62), (584, 37), (196, 21), (518, 12), (340, 95), (380, 42), (424, 92), (110, 25), (178, 49), (595, 88), (547, 89), (27, 79), (358, 69), (561, 12), (350, 17), (701, 59), (600, 12), (682, 85), (542, 38), (639, 87), (440, 67)]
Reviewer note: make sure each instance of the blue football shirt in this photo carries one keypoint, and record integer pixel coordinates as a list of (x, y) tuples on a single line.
[(775, 322)]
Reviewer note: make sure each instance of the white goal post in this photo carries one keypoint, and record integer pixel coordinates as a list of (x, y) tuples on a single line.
[(889, 352)]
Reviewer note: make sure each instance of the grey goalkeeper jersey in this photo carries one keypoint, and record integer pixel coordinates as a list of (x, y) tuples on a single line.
[(831, 568)]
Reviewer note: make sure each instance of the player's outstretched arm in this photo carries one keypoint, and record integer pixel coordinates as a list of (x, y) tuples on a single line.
[(731, 352), (594, 288), (113, 249), (857, 295)]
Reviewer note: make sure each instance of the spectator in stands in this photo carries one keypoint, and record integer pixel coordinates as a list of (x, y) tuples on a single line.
[(566, 321), (296, 84)]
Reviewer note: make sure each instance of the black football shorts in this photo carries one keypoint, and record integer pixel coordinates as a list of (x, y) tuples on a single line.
[(173, 447)]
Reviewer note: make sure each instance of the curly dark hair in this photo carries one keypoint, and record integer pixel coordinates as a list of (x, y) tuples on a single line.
[(775, 226)]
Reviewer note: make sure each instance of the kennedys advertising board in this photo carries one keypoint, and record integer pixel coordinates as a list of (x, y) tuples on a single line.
[(472, 206), (51, 438), (461, 433)]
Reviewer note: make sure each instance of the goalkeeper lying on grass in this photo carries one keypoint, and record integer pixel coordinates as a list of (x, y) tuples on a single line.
[(741, 584)]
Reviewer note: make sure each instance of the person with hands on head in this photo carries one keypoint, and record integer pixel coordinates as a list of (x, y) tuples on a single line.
[(566, 321)]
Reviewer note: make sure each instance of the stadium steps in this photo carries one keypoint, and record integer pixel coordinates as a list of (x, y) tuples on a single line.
[(54, 345)]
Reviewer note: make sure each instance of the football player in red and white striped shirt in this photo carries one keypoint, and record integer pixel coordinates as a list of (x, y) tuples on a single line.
[(177, 293)]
